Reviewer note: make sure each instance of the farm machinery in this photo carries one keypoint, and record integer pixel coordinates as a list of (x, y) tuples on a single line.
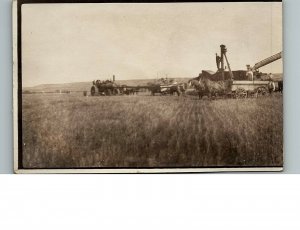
[(109, 88), (237, 84), (256, 83), (165, 86), (161, 86), (105, 88)]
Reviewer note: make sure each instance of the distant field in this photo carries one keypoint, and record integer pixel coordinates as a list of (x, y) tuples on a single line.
[(70, 130)]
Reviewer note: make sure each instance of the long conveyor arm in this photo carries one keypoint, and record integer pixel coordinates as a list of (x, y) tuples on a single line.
[(267, 61)]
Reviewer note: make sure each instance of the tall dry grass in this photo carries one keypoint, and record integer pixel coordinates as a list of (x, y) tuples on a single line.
[(66, 131)]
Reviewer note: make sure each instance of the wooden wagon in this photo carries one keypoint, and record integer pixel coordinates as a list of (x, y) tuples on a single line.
[(243, 89)]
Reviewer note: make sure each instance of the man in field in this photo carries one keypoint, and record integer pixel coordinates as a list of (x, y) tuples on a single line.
[(271, 84), (218, 61), (249, 73)]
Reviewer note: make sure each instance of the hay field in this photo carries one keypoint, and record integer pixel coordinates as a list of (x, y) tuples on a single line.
[(69, 130)]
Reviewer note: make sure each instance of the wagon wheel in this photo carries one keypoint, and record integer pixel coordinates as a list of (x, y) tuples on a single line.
[(240, 93), (261, 91), (252, 93), (93, 91)]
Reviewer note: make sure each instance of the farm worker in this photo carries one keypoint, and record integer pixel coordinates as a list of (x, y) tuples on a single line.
[(218, 61), (270, 76), (271, 84), (249, 73)]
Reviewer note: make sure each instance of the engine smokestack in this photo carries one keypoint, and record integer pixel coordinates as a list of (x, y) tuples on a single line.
[(114, 78)]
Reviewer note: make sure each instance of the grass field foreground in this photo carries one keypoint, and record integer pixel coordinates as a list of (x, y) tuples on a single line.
[(67, 131)]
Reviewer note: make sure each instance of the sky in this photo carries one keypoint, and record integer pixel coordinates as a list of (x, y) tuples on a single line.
[(64, 43)]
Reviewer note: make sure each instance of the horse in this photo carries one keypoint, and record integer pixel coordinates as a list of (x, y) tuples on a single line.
[(199, 86), (206, 87), (179, 89), (154, 88), (129, 91)]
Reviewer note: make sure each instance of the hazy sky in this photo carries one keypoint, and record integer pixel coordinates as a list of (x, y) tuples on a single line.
[(80, 42)]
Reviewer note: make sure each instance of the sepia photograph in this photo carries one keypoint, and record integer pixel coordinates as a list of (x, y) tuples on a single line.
[(147, 87)]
